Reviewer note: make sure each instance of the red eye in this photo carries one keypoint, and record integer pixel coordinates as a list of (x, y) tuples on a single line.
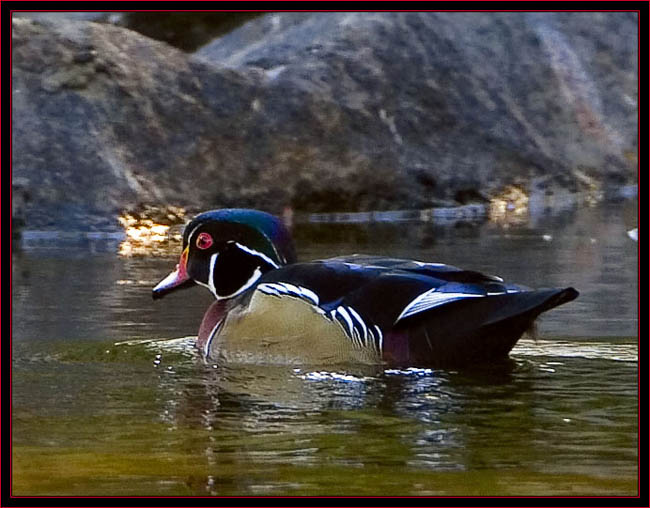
[(203, 241)]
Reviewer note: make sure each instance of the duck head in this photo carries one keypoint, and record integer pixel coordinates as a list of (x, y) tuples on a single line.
[(227, 250)]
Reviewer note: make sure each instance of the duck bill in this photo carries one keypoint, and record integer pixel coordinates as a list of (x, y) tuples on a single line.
[(178, 279)]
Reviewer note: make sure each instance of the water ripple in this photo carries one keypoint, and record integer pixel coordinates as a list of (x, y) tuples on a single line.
[(624, 352)]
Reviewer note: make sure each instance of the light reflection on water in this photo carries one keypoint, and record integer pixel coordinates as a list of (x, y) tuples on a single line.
[(110, 397), (626, 352)]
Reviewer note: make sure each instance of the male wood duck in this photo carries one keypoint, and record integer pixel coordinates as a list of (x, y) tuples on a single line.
[(369, 309)]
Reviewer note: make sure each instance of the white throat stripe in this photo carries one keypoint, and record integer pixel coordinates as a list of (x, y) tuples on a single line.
[(213, 260), (256, 275)]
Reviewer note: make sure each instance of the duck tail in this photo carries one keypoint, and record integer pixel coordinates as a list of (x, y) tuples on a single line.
[(475, 330)]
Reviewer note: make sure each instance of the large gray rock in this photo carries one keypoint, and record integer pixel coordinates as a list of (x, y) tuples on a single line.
[(104, 118), (322, 111), (184, 30), (465, 98)]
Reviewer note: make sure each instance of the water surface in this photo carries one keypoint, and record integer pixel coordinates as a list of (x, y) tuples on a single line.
[(110, 398)]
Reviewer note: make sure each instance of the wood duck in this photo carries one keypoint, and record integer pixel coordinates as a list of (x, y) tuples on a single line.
[(369, 309)]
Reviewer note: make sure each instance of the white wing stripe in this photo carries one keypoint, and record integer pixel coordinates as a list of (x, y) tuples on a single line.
[(357, 337), (308, 293), (268, 290), (348, 320), (356, 316), (284, 288), (381, 338), (372, 341), (431, 299), (276, 287), (291, 288)]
